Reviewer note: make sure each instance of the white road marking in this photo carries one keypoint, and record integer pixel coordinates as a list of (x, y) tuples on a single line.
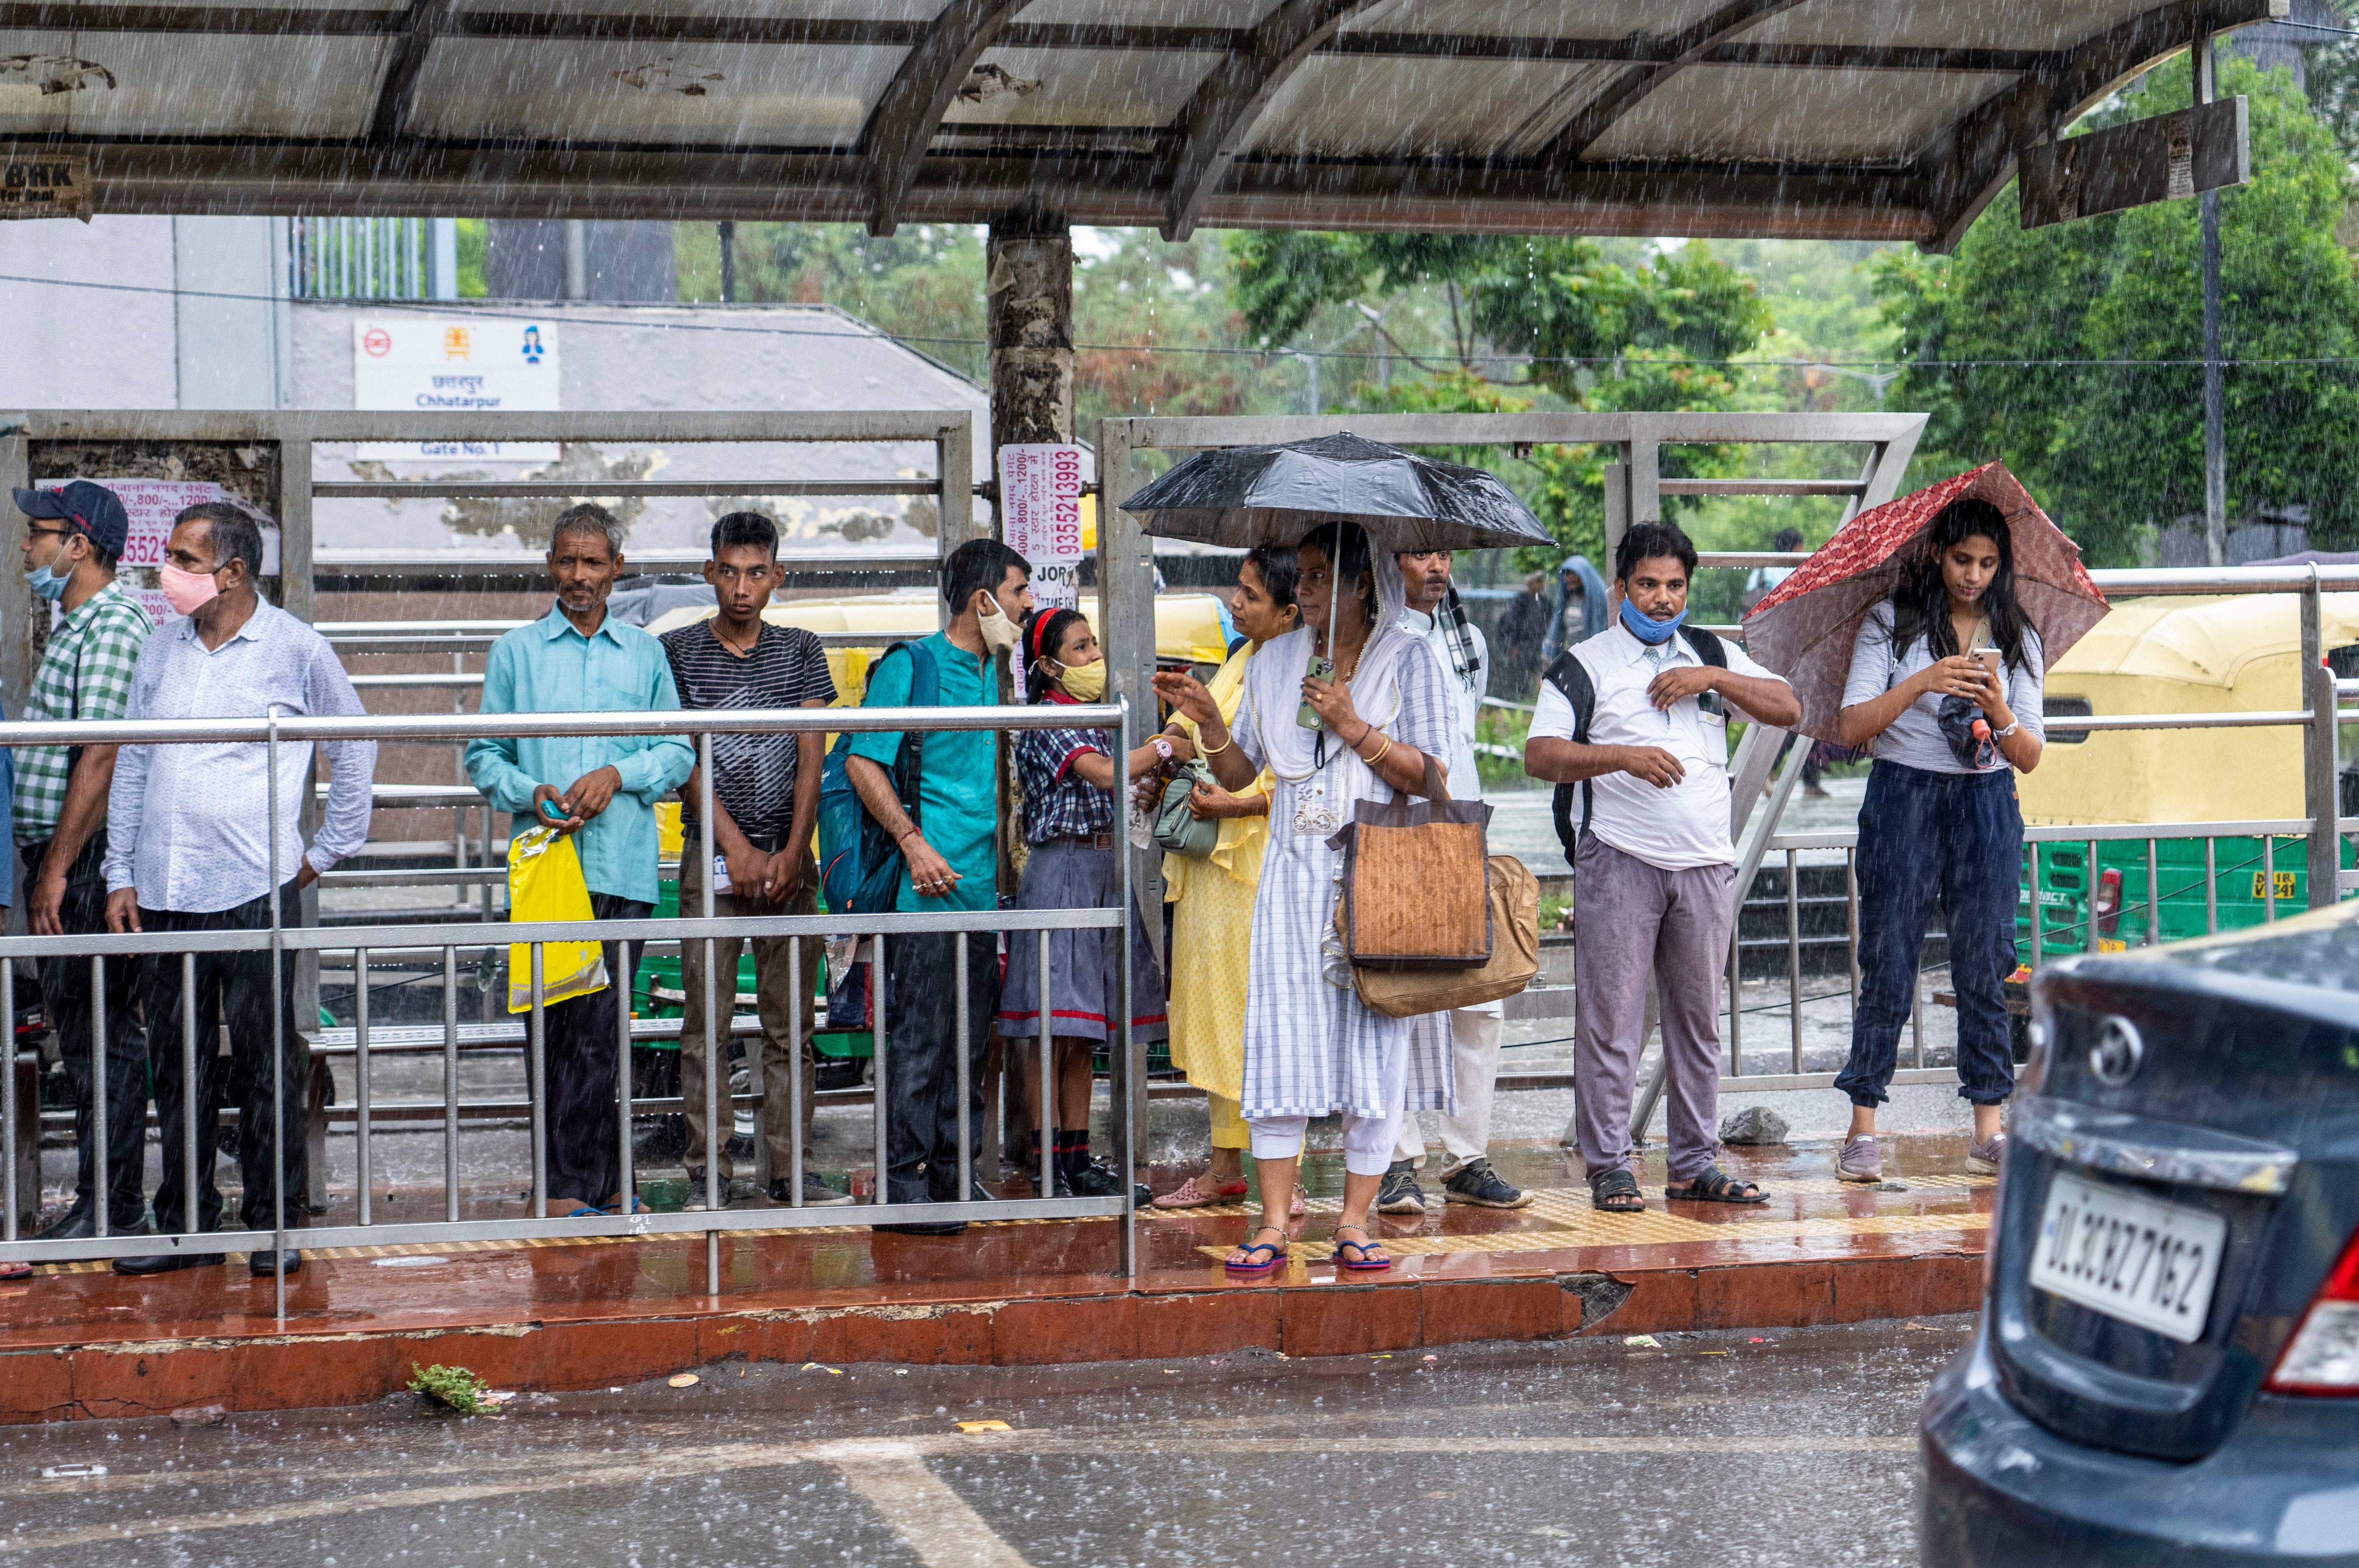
[(892, 1476)]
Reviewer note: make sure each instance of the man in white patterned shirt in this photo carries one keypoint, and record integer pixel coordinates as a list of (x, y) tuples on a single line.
[(193, 847)]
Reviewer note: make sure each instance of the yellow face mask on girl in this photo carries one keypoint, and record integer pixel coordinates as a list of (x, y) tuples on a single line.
[(1085, 682)]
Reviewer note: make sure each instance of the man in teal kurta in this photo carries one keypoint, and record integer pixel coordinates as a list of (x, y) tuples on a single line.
[(603, 792), (951, 860)]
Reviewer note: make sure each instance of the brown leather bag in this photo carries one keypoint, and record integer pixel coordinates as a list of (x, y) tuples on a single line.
[(1414, 884), (1514, 894)]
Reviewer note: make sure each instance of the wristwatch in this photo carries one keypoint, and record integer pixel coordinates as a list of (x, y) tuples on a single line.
[(1162, 747)]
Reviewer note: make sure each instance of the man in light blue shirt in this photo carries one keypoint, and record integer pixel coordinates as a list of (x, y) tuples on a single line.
[(603, 790)]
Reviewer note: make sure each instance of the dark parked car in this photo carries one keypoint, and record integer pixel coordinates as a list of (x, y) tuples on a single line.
[(2168, 1365)]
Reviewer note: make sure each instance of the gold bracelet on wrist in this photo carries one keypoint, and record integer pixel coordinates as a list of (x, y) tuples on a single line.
[(1372, 761), (1216, 751)]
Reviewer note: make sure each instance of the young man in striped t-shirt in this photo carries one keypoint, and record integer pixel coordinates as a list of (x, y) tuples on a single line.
[(766, 810)]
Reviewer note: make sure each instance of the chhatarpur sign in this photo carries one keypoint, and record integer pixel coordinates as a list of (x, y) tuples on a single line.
[(50, 186)]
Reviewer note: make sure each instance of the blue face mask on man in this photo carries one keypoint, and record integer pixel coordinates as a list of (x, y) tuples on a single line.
[(47, 583), (1647, 629)]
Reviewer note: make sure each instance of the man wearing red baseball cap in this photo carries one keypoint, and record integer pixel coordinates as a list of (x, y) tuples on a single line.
[(72, 543)]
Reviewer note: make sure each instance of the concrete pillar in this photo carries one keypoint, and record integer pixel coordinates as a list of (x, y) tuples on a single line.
[(1029, 311)]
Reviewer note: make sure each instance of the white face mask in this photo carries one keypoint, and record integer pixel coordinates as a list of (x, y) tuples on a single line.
[(999, 633)]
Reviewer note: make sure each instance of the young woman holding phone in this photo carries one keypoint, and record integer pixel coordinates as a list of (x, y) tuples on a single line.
[(1945, 681)]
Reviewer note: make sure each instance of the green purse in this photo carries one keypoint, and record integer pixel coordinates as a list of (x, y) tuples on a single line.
[(1177, 829)]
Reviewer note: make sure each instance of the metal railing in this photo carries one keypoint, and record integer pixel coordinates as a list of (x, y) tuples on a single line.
[(2322, 698), (281, 943)]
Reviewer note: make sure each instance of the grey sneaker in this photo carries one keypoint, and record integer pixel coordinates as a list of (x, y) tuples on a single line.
[(1859, 1160), (1982, 1159), (1476, 1183), (693, 1201), (1400, 1193), (816, 1194)]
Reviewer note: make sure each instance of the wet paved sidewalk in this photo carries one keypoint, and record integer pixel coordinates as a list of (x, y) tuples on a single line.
[(1012, 1292)]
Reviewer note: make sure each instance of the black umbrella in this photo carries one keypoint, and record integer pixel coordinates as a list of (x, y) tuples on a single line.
[(1243, 496)]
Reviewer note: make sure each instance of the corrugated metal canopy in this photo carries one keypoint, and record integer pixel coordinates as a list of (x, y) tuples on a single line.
[(1897, 119)]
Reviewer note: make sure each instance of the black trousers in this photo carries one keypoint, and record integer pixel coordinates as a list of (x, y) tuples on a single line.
[(66, 994), (583, 1116), (232, 989), (921, 1060)]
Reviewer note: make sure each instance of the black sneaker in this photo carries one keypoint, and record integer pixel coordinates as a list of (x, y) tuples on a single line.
[(1096, 1178), (1476, 1183), (1400, 1193), (1063, 1184), (816, 1194)]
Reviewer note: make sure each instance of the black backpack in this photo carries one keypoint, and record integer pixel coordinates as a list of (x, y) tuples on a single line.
[(1571, 677)]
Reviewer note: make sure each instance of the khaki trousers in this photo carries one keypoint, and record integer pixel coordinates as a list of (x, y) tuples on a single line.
[(779, 1009)]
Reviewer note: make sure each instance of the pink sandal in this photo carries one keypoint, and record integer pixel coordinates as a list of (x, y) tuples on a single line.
[(1194, 1194)]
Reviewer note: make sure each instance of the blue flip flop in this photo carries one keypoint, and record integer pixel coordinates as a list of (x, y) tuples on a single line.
[(1364, 1261), (638, 1207), (1276, 1251)]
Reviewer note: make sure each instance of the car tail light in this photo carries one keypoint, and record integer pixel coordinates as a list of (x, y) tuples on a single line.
[(2109, 901), (2323, 1358)]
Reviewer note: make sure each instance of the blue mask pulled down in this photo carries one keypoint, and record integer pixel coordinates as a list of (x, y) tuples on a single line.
[(1647, 629), (47, 583)]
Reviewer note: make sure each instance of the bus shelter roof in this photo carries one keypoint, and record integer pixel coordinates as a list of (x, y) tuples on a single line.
[(1811, 118)]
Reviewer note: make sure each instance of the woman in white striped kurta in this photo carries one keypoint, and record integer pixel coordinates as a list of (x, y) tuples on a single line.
[(1310, 1047)]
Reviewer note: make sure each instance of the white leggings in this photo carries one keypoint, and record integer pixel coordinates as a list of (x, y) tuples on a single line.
[(1367, 1140)]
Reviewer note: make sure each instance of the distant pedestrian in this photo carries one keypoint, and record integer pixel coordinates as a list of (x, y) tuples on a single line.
[(1762, 580), (1939, 823), (1638, 717), (1212, 899), (1073, 787), (1311, 1047), (951, 862), (1759, 585), (191, 846), (766, 809), (74, 539), (579, 658), (1582, 607), (1433, 614), (1523, 630)]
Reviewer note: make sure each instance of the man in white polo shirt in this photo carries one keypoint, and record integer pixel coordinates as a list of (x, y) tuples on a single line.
[(1636, 719)]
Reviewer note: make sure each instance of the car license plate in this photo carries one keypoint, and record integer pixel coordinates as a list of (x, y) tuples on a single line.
[(2136, 1258)]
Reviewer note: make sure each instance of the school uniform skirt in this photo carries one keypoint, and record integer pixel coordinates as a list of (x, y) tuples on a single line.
[(1083, 978)]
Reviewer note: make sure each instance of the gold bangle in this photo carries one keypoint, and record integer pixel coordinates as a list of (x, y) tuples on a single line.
[(1218, 749), (1372, 761)]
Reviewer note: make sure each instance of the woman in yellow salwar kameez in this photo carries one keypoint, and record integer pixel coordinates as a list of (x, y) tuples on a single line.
[(1212, 925)]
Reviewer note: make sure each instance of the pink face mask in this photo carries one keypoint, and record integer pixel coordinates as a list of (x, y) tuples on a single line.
[(187, 592)]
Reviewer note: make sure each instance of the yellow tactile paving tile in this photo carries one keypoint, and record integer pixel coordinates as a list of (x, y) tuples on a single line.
[(1649, 1228)]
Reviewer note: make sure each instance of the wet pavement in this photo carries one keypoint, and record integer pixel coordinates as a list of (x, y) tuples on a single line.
[(1764, 1448), (1933, 1206)]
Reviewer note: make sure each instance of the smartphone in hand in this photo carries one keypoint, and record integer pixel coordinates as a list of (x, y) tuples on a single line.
[(1990, 658)]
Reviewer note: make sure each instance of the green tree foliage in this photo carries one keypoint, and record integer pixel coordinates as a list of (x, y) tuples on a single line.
[(1139, 306), (923, 284), (2113, 450), (1599, 334)]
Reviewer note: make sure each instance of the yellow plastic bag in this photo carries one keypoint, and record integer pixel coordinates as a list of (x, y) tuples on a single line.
[(544, 884)]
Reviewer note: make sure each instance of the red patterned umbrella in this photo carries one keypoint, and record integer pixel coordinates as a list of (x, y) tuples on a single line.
[(1804, 629)]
